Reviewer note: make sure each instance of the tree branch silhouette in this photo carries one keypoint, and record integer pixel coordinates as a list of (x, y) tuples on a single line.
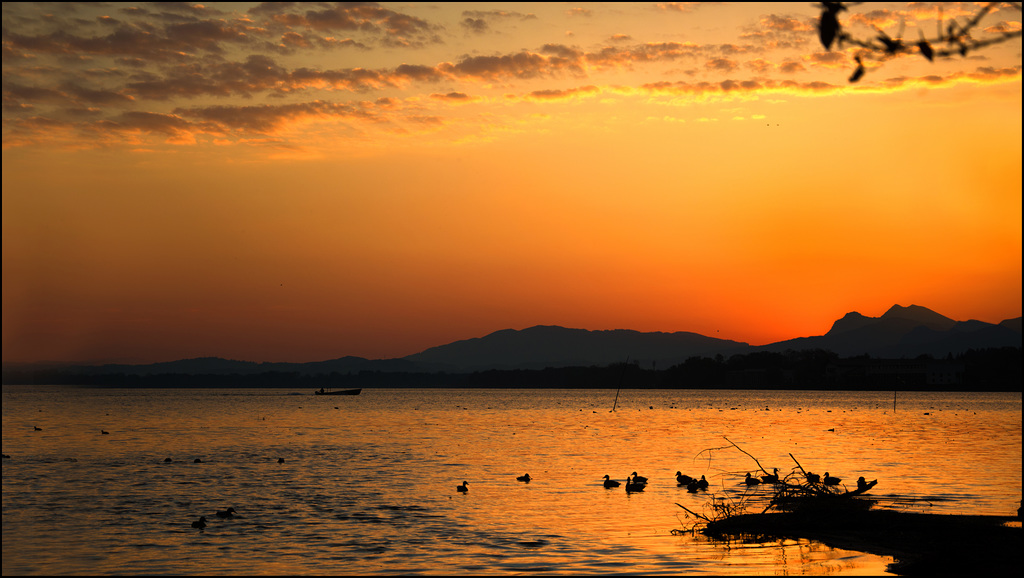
[(952, 38)]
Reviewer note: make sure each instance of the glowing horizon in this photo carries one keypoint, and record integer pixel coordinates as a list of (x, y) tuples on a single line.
[(271, 182)]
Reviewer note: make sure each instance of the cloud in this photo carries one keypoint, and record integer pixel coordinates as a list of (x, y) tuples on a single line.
[(484, 21), (984, 74), (182, 32), (684, 7), (792, 67), (778, 32), (521, 65), (266, 119), (626, 57), (184, 71), (92, 96), (168, 124), (498, 15), (475, 25), (721, 65), (393, 28), (572, 93)]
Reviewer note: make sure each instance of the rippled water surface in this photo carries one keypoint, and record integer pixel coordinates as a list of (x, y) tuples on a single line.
[(368, 482)]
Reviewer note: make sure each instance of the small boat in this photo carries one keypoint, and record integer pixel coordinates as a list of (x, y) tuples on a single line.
[(321, 391)]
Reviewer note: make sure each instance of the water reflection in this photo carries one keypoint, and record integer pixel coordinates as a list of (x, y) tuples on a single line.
[(367, 485)]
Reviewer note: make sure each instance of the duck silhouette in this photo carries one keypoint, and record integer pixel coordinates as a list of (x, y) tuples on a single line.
[(280, 460), (772, 478), (702, 483), (37, 428), (200, 523), (831, 480), (683, 479), (463, 488), (864, 485), (610, 483), (226, 513), (104, 432), (813, 478), (751, 480), (524, 478), (639, 479), (634, 485)]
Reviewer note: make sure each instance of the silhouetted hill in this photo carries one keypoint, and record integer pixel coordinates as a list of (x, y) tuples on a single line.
[(901, 332), (220, 366), (1013, 324), (906, 332), (552, 346)]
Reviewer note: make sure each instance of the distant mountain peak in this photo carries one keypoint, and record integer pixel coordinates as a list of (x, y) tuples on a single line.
[(849, 322), (920, 315)]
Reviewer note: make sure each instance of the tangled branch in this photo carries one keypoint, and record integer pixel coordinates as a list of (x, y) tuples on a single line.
[(799, 490), (952, 38)]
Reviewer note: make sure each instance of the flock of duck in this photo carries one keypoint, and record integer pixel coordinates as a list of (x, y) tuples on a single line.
[(228, 513), (201, 522), (634, 483), (637, 483)]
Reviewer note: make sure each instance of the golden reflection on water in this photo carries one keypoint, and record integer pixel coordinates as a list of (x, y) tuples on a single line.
[(790, 557), (368, 482)]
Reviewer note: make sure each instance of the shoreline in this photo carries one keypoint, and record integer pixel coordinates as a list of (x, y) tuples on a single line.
[(920, 544)]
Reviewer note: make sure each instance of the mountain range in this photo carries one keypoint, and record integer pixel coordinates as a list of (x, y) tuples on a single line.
[(902, 332)]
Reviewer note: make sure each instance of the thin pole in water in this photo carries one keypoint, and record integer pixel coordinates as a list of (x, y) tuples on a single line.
[(623, 374), (894, 401)]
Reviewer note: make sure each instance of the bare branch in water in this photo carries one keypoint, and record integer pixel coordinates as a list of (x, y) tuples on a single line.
[(744, 451)]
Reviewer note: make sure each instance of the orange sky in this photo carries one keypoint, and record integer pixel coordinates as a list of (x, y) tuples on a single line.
[(275, 183)]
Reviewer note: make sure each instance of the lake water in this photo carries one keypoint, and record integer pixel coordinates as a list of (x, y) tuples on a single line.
[(368, 482)]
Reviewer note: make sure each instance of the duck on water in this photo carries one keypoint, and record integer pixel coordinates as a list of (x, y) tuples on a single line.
[(632, 485)]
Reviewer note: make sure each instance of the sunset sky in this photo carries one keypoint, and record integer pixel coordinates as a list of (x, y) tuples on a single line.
[(301, 182)]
